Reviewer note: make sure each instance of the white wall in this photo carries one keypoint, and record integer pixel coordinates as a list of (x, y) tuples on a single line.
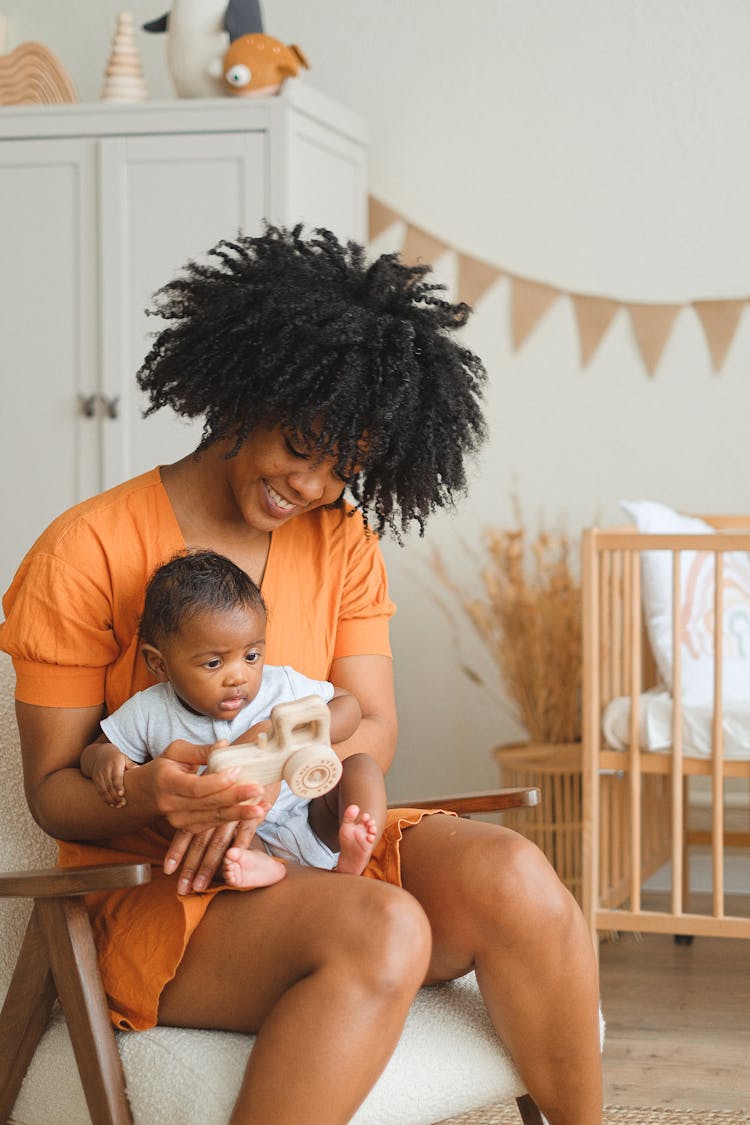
[(598, 146)]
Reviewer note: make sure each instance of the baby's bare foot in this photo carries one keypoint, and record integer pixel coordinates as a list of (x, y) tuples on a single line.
[(245, 868), (357, 835)]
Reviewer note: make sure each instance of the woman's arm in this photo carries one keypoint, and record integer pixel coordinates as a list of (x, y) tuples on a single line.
[(370, 681), (65, 803)]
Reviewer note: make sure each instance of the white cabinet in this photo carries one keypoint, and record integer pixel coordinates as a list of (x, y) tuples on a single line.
[(99, 206)]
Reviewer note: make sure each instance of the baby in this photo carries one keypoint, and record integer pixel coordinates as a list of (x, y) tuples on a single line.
[(203, 634)]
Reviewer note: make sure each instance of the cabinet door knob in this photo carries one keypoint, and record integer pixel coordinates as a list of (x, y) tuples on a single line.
[(110, 406), (87, 405)]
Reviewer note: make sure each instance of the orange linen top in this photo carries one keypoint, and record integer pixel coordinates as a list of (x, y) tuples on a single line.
[(71, 627)]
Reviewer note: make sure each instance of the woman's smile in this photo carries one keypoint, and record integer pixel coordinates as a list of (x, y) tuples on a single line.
[(278, 501)]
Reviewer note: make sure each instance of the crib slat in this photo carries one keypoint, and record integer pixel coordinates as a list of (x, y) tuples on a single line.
[(592, 703), (717, 748), (679, 875), (633, 665), (602, 652)]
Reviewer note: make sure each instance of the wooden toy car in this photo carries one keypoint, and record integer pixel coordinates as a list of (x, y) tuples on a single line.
[(297, 751)]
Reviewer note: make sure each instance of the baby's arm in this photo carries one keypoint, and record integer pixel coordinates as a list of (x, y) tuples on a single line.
[(106, 765), (346, 715)]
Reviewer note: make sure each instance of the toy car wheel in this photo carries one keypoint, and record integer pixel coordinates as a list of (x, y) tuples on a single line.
[(310, 773)]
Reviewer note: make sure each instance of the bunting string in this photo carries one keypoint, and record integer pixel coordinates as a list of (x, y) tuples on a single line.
[(531, 300)]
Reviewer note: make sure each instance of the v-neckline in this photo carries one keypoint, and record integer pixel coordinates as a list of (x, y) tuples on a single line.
[(263, 558)]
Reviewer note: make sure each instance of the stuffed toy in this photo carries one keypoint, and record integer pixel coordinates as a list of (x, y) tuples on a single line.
[(198, 33), (257, 65)]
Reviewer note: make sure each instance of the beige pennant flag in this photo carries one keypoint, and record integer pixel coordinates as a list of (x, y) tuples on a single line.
[(475, 278), (652, 325), (380, 217), (529, 303), (593, 316), (421, 248), (719, 320)]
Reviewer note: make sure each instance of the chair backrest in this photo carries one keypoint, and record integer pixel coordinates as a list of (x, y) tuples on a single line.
[(23, 844)]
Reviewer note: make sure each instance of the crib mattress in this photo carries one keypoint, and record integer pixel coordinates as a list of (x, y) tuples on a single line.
[(655, 726)]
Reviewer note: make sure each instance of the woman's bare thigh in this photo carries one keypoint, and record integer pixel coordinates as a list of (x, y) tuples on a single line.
[(251, 946)]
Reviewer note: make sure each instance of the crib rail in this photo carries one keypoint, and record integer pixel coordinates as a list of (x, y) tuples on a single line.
[(646, 824)]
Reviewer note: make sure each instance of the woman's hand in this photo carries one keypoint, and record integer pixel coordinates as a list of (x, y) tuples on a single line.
[(200, 855), (198, 802), (199, 851)]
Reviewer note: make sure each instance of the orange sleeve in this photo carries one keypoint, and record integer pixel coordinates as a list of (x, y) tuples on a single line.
[(58, 629), (366, 608)]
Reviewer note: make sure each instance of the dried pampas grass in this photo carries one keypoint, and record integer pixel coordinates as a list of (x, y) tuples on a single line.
[(529, 617)]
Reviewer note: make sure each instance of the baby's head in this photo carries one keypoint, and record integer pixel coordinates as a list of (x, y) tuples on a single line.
[(203, 629)]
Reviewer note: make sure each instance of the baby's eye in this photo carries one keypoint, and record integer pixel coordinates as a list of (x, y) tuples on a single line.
[(212, 664), (252, 657)]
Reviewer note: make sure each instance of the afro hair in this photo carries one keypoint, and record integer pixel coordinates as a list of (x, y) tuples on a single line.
[(356, 358)]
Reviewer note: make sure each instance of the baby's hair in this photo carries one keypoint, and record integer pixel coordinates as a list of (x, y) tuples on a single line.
[(193, 582), (356, 359)]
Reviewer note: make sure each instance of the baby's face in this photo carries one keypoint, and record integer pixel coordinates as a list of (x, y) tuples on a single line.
[(215, 662)]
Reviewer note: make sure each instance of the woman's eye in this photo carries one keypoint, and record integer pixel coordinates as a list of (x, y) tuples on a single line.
[(294, 451)]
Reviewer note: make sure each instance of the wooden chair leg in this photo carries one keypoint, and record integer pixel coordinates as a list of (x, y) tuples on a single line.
[(29, 1001), (530, 1114), (64, 922)]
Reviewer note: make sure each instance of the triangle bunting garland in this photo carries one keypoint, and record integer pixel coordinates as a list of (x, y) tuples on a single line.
[(720, 320), (531, 300), (593, 317), (475, 278), (652, 325), (421, 248)]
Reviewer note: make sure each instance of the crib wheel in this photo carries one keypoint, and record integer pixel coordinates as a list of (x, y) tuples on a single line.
[(683, 939)]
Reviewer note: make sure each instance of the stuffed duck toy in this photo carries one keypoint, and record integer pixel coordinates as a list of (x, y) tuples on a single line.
[(198, 34)]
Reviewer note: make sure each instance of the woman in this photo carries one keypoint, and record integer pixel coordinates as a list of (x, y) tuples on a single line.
[(313, 372)]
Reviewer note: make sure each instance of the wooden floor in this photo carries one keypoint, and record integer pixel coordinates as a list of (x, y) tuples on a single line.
[(678, 1022)]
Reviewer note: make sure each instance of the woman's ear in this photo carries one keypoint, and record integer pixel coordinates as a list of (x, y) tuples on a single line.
[(155, 662)]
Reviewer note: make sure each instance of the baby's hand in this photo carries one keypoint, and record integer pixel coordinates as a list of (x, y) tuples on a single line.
[(107, 775)]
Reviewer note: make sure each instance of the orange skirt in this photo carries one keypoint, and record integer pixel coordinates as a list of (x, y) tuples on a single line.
[(141, 932)]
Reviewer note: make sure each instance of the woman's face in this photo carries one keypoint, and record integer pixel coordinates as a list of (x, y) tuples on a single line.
[(274, 478)]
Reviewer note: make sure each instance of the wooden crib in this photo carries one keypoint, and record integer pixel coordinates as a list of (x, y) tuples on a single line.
[(635, 807)]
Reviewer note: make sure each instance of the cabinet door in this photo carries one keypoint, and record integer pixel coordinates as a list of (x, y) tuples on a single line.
[(163, 200), (324, 181), (48, 447)]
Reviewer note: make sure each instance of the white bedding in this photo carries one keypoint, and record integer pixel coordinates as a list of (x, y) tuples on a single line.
[(655, 725)]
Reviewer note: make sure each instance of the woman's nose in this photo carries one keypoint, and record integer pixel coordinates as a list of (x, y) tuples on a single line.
[(313, 482)]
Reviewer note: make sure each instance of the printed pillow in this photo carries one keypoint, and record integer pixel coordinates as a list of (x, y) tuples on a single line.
[(696, 607)]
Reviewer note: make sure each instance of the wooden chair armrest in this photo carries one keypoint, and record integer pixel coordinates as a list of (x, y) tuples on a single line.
[(63, 882), (490, 800)]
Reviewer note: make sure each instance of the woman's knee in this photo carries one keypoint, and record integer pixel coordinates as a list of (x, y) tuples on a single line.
[(517, 882), (393, 940)]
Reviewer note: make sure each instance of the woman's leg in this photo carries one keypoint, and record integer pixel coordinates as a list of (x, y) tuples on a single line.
[(324, 967), (495, 903)]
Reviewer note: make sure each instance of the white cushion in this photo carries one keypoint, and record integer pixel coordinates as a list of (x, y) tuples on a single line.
[(697, 607), (447, 1061)]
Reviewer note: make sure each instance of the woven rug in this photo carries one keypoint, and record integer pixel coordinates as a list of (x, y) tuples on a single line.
[(507, 1114)]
